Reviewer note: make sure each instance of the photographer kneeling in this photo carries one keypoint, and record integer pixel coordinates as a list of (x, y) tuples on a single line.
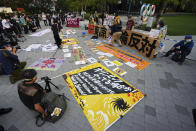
[(51, 105), (10, 64), (30, 92)]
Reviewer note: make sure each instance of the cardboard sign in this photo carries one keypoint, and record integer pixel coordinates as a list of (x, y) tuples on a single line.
[(79, 56), (117, 63), (119, 71), (127, 57), (91, 29), (102, 95), (101, 31), (47, 64), (72, 22), (144, 44)]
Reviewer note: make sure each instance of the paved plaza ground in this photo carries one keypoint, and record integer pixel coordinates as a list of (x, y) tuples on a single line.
[(170, 89)]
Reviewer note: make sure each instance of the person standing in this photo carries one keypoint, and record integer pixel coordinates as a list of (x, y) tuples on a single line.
[(37, 22), (56, 29), (44, 19), (23, 23), (130, 23), (49, 19)]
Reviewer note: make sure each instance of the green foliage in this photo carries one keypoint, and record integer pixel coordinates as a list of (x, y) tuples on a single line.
[(87, 16), (181, 25)]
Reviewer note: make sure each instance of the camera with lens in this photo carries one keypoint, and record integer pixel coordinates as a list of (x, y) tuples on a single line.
[(45, 78)]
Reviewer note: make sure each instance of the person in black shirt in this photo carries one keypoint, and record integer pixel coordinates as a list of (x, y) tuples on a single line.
[(37, 22), (31, 93), (56, 29)]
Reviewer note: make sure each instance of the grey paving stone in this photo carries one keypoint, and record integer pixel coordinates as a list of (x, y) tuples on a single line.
[(151, 127), (113, 128), (137, 127), (125, 128), (140, 81), (150, 110), (150, 119), (163, 127), (12, 128), (163, 83), (182, 110), (194, 84), (174, 127), (188, 127)]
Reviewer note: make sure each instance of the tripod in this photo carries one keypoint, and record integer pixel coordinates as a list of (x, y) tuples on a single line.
[(48, 82), (48, 88)]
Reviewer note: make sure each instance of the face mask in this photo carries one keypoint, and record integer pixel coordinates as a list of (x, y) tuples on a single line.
[(9, 49), (188, 40)]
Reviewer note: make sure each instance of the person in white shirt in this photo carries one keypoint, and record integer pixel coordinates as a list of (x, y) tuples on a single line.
[(7, 26), (44, 19)]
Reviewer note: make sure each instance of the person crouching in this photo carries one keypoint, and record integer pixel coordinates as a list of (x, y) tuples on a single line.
[(31, 93)]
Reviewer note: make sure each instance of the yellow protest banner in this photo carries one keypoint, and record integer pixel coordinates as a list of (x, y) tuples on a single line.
[(69, 41), (102, 95)]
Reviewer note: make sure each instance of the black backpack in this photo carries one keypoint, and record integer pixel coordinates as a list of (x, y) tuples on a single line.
[(55, 106)]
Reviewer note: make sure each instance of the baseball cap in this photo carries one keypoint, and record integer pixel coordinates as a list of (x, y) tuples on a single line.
[(188, 37), (29, 74)]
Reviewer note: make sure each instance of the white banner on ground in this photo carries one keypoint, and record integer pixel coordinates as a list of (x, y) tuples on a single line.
[(38, 34)]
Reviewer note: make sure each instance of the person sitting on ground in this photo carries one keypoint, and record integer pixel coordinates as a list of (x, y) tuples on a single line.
[(130, 23), (116, 30), (185, 47), (56, 29), (31, 93), (10, 64)]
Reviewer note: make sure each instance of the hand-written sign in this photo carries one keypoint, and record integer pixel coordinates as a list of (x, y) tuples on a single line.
[(91, 29), (99, 81), (140, 42), (102, 95), (127, 57), (51, 64), (72, 22), (101, 31)]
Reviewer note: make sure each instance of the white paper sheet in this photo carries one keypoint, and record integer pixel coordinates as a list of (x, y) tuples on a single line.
[(38, 34), (33, 46), (67, 55), (65, 50), (132, 65), (92, 60)]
